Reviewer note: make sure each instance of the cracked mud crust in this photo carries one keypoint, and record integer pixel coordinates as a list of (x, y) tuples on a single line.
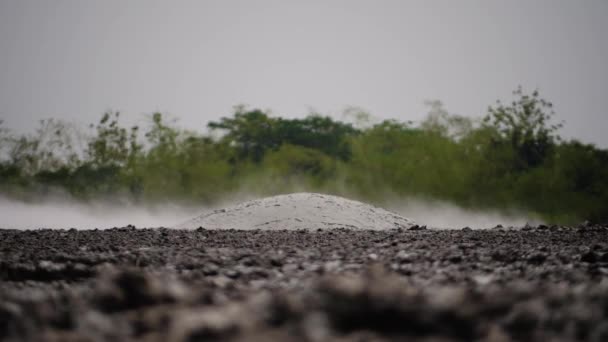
[(533, 284)]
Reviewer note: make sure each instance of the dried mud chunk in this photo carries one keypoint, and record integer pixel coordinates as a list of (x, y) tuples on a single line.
[(210, 269), (11, 320), (276, 261), (406, 257), (503, 255), (383, 304), (232, 273), (204, 325), (45, 271), (455, 258), (131, 289), (589, 257), (537, 258), (97, 326), (525, 318)]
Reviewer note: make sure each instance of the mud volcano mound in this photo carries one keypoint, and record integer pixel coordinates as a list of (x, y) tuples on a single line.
[(299, 211)]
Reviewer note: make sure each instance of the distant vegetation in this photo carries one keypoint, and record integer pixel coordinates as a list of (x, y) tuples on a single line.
[(512, 158)]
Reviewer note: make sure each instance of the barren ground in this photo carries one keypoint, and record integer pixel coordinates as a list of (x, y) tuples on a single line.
[(538, 283)]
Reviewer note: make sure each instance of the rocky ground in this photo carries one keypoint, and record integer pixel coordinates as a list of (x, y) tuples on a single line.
[(531, 284)]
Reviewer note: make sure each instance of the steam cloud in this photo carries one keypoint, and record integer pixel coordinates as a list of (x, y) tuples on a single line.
[(437, 214), (67, 213), (71, 214)]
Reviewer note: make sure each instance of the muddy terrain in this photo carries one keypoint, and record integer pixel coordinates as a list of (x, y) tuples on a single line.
[(531, 284)]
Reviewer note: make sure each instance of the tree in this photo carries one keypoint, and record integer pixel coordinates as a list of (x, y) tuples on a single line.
[(52, 147), (249, 132), (296, 161), (317, 132), (439, 121), (524, 125), (164, 138), (254, 133), (4, 136), (113, 146)]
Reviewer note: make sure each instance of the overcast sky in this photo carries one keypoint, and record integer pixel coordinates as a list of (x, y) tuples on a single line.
[(197, 59)]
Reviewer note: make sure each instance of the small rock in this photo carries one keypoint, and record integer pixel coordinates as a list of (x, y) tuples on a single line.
[(315, 268), (525, 318), (537, 258), (405, 257), (405, 269), (133, 289), (210, 269), (277, 258), (11, 315), (204, 325), (456, 258), (332, 266), (221, 281), (231, 273), (589, 257), (289, 268), (483, 279)]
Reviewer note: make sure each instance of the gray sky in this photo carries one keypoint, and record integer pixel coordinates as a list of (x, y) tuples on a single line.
[(197, 59)]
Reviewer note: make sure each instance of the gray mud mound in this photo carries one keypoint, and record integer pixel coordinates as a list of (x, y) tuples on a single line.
[(299, 211)]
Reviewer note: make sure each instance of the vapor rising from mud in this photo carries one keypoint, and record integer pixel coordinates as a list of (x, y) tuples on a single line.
[(438, 214), (63, 212)]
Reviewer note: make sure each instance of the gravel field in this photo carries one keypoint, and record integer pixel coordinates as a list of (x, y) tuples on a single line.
[(528, 284)]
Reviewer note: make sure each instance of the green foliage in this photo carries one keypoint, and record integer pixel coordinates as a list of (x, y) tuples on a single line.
[(250, 133), (4, 136), (441, 122), (317, 132), (253, 133), (291, 163), (512, 159), (49, 148), (524, 126), (410, 161), (113, 146), (182, 164)]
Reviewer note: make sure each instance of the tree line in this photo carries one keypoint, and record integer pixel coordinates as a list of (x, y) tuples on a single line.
[(512, 158)]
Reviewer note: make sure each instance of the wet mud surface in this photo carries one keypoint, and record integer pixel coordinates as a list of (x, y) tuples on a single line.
[(533, 284)]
